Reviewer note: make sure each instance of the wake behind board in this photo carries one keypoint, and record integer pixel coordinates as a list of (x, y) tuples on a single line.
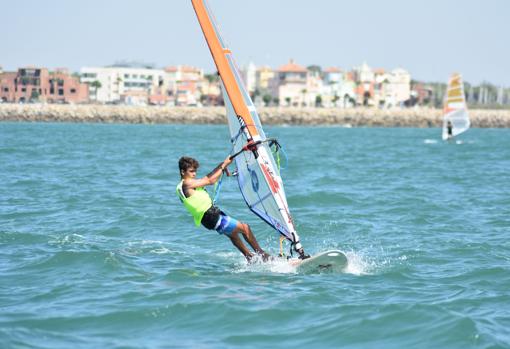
[(333, 261)]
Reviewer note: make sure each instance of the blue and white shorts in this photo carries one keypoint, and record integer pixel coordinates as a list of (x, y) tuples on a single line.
[(225, 225)]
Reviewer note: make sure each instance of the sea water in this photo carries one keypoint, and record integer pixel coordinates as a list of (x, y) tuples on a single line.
[(96, 251)]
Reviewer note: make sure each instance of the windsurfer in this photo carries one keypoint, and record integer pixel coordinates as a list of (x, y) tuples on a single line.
[(197, 201), (449, 128)]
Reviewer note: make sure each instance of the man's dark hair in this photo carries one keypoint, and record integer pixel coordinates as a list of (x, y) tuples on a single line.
[(186, 162)]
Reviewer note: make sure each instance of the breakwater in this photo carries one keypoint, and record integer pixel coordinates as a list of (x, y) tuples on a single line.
[(355, 117)]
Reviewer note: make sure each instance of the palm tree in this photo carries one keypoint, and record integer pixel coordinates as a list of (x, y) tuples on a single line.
[(117, 82), (149, 86), (318, 101), (95, 84), (303, 91), (335, 99), (267, 99)]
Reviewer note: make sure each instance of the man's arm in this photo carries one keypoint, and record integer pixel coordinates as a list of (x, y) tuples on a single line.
[(211, 178)]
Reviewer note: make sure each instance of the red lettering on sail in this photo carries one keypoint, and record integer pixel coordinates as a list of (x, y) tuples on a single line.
[(273, 184)]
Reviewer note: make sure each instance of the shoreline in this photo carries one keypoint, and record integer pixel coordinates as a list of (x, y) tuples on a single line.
[(352, 117)]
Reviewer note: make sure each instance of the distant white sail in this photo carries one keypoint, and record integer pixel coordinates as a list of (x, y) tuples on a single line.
[(455, 109)]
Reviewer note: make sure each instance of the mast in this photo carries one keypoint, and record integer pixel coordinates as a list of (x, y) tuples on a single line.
[(221, 59)]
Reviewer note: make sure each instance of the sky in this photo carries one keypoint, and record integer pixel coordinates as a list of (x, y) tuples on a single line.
[(431, 39)]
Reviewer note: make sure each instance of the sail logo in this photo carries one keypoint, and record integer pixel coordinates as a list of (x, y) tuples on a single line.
[(254, 180)]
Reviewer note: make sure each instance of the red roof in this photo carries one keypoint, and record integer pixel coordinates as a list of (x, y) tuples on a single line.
[(189, 69), (333, 70), (292, 67), (182, 68)]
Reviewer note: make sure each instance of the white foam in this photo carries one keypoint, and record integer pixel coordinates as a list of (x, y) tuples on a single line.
[(68, 239), (161, 250), (357, 264), (278, 265)]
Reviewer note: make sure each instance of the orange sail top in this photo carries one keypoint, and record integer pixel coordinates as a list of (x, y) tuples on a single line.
[(221, 59)]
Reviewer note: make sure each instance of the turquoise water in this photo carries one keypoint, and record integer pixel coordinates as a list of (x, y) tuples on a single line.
[(97, 252)]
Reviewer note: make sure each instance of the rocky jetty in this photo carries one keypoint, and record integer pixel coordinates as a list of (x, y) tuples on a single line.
[(355, 117)]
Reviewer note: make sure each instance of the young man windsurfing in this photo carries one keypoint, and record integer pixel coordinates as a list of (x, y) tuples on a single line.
[(197, 201), (449, 129)]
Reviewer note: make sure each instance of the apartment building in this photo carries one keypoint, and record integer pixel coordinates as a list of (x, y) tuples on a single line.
[(264, 76), (110, 84), (338, 90), (290, 85), (186, 85), (32, 84), (376, 87)]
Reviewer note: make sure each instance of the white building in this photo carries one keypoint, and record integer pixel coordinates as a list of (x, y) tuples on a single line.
[(393, 88), (117, 81), (400, 81), (338, 91), (249, 75)]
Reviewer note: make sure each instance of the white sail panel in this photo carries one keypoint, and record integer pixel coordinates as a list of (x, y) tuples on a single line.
[(258, 178)]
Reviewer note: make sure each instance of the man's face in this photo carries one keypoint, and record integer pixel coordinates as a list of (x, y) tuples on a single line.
[(189, 173)]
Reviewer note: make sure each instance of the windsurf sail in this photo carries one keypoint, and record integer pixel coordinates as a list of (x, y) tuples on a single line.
[(258, 175), (455, 109)]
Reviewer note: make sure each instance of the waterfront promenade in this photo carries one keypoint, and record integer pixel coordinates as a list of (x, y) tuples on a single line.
[(355, 117)]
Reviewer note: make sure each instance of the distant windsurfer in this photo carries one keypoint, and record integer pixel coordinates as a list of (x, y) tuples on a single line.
[(197, 201), (449, 129)]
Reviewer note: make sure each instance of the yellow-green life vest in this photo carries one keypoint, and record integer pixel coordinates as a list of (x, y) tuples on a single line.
[(196, 204)]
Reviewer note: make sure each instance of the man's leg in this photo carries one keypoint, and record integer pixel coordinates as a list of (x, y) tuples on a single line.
[(250, 238), (231, 228), (236, 240)]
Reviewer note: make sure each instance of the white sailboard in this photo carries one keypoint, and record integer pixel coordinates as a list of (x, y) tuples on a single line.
[(333, 261), (258, 175), (455, 115)]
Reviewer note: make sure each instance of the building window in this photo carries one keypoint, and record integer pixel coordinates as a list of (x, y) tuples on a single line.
[(73, 90), (23, 89), (126, 76), (61, 92), (52, 90), (6, 89)]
